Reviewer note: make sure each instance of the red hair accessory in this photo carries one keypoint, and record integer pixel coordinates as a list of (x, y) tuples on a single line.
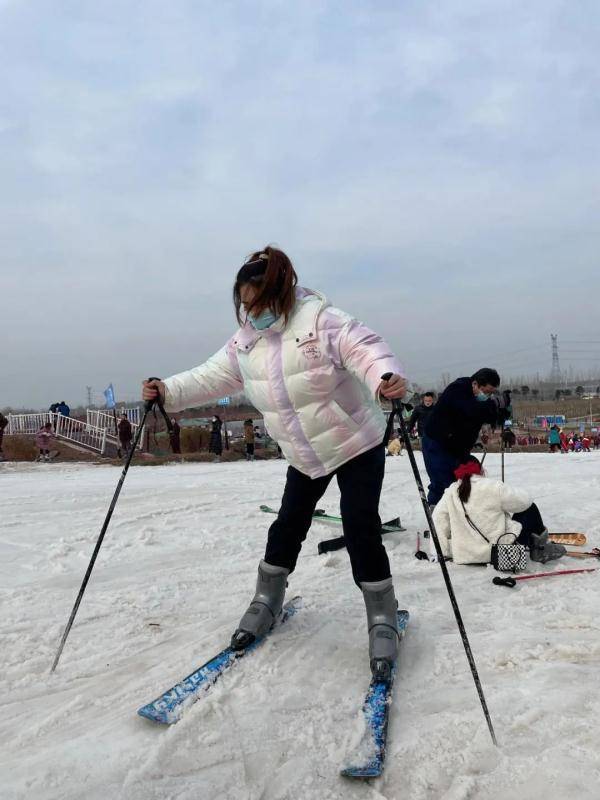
[(470, 468)]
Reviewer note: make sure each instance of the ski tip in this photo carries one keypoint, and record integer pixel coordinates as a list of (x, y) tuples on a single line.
[(154, 715), (361, 773)]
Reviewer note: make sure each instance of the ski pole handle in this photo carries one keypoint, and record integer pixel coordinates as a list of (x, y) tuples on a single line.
[(149, 403), (396, 403), (510, 582)]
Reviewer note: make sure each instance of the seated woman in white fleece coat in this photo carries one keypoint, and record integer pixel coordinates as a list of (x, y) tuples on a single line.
[(494, 508)]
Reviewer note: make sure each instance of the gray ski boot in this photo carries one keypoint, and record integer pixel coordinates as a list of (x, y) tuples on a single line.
[(382, 619), (265, 606), (542, 549)]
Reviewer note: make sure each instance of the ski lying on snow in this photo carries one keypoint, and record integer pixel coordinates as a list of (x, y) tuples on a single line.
[(569, 538), (595, 553), (370, 756), (393, 526), (169, 707)]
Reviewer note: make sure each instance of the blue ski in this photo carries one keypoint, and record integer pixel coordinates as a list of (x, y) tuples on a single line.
[(169, 707), (376, 710)]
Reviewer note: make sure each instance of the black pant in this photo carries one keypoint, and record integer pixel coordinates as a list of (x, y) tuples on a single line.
[(531, 522), (360, 482)]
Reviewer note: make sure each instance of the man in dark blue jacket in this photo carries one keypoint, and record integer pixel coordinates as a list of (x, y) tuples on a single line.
[(453, 427), (421, 414)]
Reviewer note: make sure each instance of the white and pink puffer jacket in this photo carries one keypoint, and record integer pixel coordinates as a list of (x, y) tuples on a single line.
[(315, 382)]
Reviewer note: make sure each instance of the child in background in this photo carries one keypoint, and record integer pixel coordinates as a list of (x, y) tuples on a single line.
[(42, 439)]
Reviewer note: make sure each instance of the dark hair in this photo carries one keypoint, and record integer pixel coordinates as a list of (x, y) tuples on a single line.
[(271, 272), (486, 376), (429, 394), (464, 490)]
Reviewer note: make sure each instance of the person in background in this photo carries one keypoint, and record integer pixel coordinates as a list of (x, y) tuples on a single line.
[(554, 440), (564, 441), (421, 413), (125, 432), (216, 440), (3, 424), (585, 441), (54, 411), (63, 409), (249, 439), (42, 439), (475, 511), (454, 424), (175, 437), (508, 438)]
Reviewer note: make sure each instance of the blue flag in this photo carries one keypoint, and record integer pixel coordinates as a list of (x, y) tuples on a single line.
[(109, 394)]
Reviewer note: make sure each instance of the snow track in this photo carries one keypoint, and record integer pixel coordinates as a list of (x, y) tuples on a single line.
[(174, 575)]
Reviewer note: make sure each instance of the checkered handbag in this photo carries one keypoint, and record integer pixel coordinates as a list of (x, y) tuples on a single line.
[(509, 557)]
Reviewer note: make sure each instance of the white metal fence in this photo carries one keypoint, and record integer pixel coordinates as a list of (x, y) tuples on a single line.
[(106, 421), (27, 423), (74, 430), (81, 433)]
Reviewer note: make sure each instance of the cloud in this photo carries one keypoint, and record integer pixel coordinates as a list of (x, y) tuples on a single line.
[(434, 169)]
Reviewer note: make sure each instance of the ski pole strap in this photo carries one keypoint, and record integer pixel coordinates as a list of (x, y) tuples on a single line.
[(389, 427)]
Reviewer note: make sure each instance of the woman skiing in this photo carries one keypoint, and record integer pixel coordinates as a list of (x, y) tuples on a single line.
[(475, 511), (314, 373)]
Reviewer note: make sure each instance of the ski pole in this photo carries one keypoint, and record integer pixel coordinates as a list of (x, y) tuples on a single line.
[(147, 406), (512, 582), (397, 408)]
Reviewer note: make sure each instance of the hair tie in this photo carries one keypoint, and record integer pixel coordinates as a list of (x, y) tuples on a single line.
[(470, 468)]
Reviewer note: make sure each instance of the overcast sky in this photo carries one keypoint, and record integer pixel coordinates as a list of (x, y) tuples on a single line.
[(432, 166)]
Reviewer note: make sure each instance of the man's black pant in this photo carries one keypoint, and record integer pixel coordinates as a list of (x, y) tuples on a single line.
[(360, 481)]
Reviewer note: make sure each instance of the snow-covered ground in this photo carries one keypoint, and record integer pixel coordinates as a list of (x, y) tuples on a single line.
[(176, 571)]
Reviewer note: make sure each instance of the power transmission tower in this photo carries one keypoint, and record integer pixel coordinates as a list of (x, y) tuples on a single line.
[(555, 375), (89, 396)]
